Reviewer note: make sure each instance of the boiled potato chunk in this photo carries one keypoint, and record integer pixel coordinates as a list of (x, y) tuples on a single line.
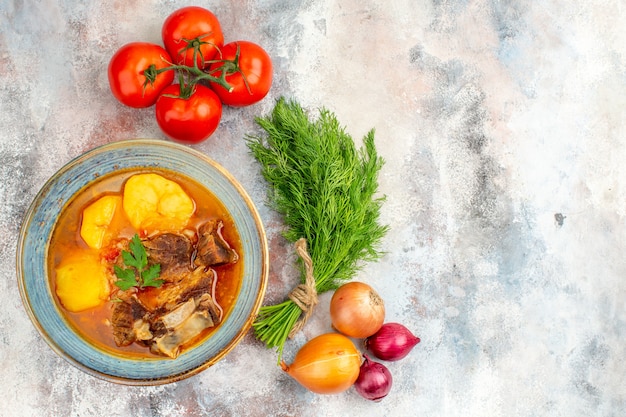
[(82, 282), (153, 203), (95, 228)]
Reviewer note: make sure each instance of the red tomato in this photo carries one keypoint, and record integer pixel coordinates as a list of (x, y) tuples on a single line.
[(251, 81), (126, 73), (188, 120), (189, 27)]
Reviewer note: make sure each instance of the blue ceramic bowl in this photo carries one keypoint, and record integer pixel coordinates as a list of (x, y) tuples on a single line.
[(39, 223)]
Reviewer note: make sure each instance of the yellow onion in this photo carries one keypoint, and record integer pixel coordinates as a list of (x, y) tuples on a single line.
[(357, 310), (326, 364)]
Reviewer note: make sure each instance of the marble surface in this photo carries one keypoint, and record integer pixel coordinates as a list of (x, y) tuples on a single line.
[(502, 126)]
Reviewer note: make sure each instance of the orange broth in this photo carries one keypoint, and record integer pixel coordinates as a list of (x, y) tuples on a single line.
[(94, 324)]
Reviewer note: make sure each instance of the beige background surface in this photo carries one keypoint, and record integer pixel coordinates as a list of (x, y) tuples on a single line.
[(502, 126)]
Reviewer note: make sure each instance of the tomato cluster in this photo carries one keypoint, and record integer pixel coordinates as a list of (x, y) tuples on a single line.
[(208, 73)]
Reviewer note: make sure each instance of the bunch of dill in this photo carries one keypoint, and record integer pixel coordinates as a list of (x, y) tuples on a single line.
[(326, 191)]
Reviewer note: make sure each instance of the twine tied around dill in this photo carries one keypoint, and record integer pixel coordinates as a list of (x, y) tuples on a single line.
[(305, 294)]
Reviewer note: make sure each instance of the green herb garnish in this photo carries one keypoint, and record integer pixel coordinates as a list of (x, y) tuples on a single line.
[(138, 273), (326, 191)]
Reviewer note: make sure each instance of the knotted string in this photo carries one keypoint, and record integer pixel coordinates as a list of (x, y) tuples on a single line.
[(304, 295)]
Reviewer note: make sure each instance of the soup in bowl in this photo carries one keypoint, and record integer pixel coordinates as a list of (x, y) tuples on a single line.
[(142, 262)]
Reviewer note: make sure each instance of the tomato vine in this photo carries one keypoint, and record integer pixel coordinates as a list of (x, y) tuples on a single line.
[(238, 73)]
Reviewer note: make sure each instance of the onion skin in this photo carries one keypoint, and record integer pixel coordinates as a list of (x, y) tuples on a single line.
[(374, 381), (326, 364), (392, 342), (357, 310)]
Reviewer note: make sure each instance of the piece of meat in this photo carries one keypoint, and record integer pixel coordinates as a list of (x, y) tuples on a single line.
[(176, 317), (125, 320), (173, 252), (212, 249), (193, 285), (177, 314), (168, 317), (168, 321), (170, 343), (186, 322), (143, 331), (207, 303)]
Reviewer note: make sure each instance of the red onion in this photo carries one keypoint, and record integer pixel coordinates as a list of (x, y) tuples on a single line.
[(374, 381), (392, 342)]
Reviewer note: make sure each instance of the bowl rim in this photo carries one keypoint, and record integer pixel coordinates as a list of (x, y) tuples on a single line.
[(27, 219)]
